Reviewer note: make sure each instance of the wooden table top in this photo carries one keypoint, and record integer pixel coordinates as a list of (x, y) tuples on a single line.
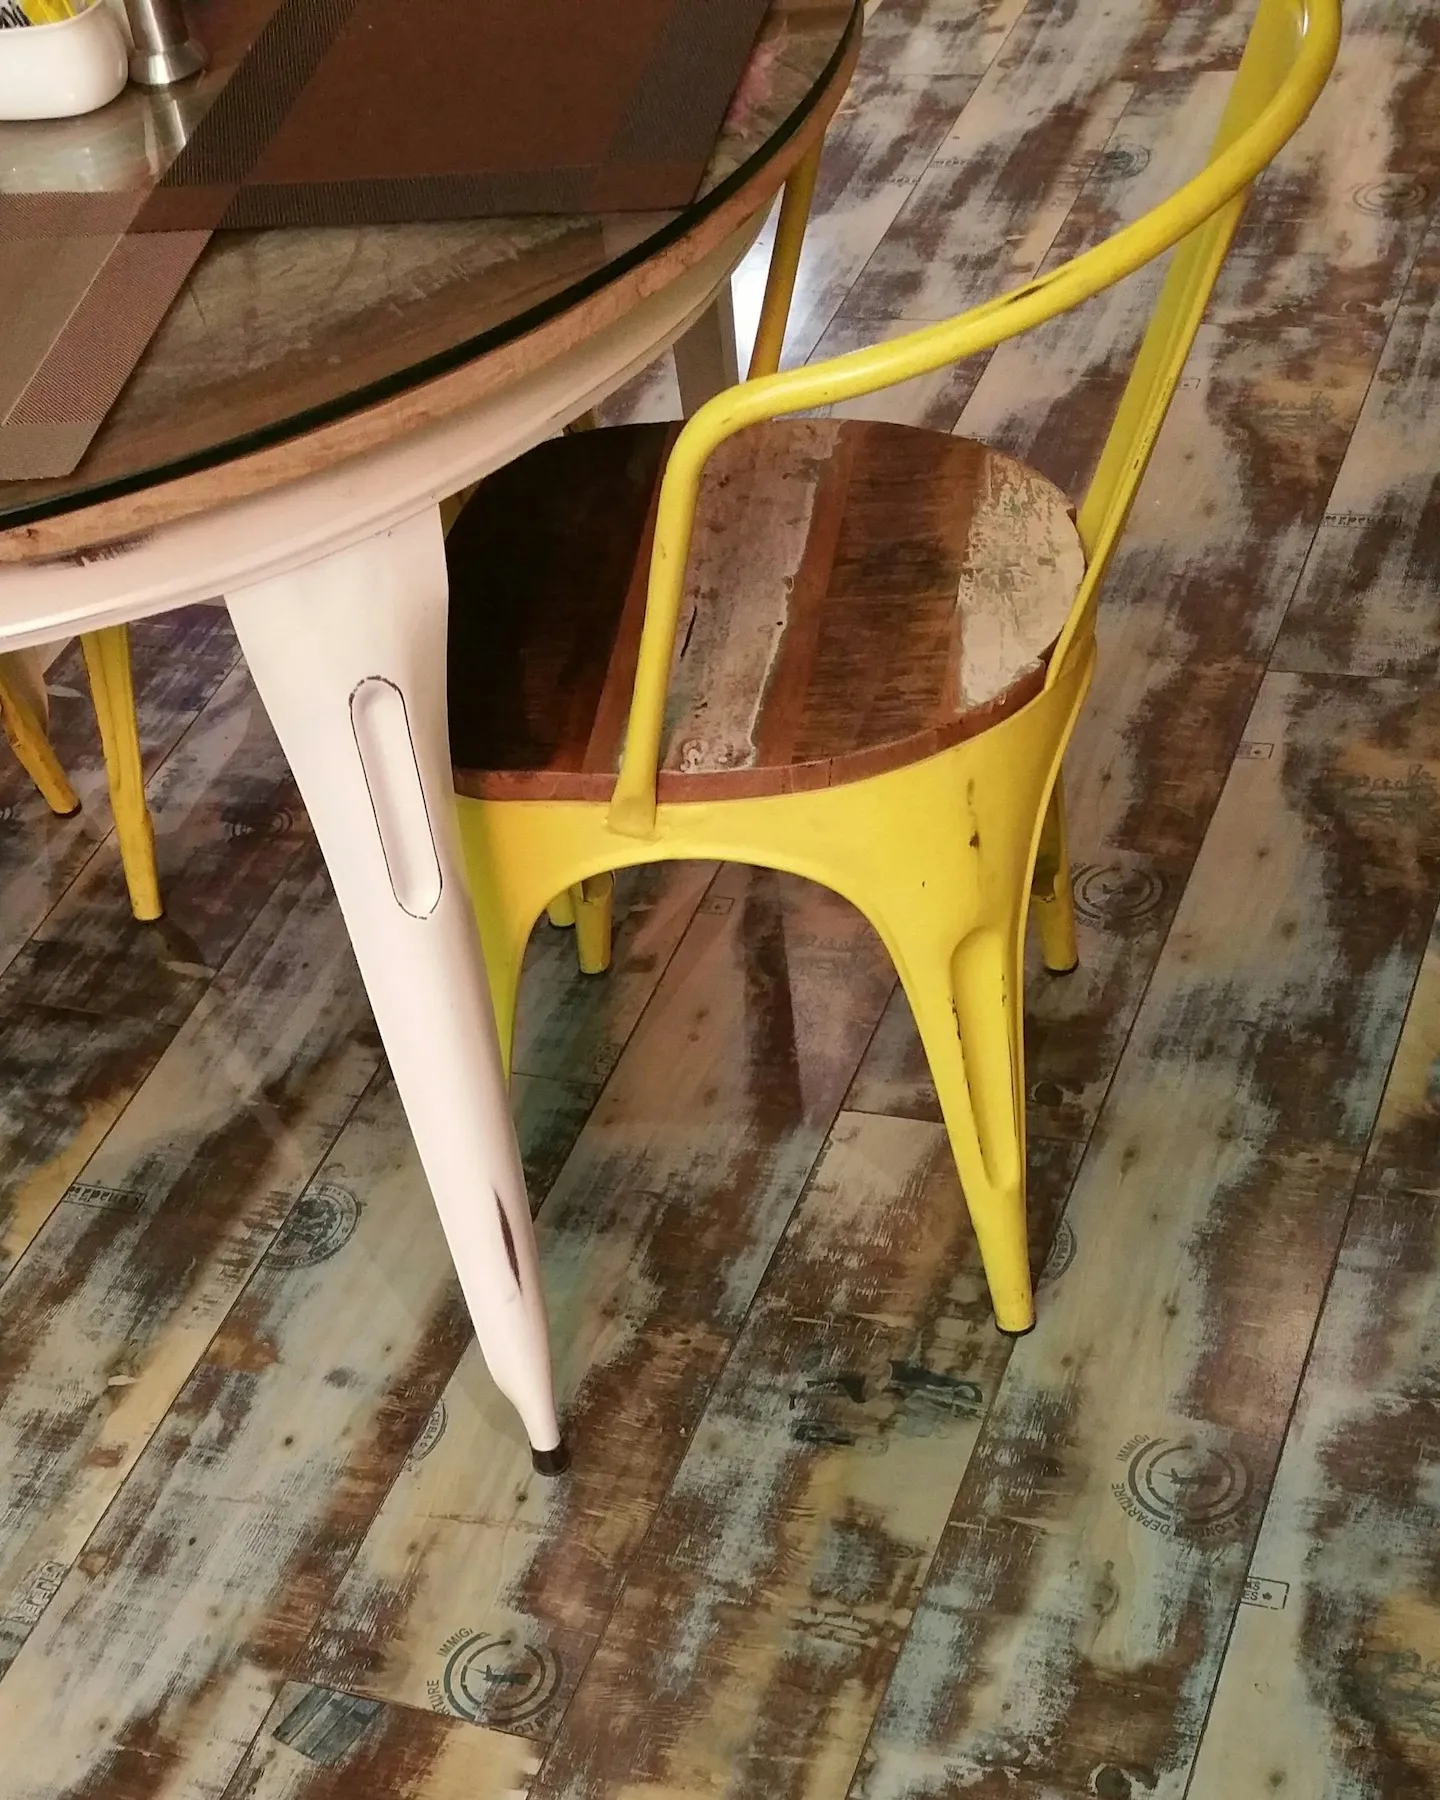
[(291, 349)]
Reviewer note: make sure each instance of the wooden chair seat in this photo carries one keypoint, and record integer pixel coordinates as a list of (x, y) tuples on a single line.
[(859, 596)]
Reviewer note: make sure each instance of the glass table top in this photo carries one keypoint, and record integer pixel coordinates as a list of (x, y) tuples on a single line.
[(276, 332)]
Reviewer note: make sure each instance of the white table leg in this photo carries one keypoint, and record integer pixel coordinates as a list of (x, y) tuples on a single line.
[(349, 657), (706, 359)]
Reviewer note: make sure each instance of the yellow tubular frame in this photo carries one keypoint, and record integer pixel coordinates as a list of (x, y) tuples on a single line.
[(784, 265), (1291, 48)]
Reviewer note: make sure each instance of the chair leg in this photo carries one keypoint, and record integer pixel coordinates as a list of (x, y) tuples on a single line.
[(588, 906), (1051, 900), (25, 730), (967, 1009), (107, 663), (593, 900)]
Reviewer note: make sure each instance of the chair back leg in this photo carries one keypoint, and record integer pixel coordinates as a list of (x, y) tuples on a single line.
[(24, 726), (107, 663)]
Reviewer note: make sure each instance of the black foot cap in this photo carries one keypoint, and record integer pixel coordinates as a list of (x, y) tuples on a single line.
[(551, 1462), (1015, 1336), (1070, 971), (72, 812)]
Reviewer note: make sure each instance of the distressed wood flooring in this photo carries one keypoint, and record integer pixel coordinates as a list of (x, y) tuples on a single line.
[(266, 1533)]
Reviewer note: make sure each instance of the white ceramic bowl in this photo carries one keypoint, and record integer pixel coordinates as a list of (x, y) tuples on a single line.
[(56, 71)]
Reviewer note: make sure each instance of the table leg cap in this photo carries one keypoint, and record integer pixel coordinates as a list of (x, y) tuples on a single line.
[(551, 1462)]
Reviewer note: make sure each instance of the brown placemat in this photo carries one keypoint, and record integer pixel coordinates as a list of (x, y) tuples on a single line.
[(339, 112), (351, 112)]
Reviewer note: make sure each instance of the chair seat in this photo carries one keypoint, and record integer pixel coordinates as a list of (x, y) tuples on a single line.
[(859, 595)]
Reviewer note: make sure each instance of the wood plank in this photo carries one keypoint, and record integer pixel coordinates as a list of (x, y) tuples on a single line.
[(93, 998), (1072, 1630), (157, 1660), (572, 1027), (923, 39), (1331, 1679), (1367, 602), (1059, 384), (135, 1270), (65, 1078), (890, 125), (179, 660), (763, 1612), (653, 1243), (1335, 226), (318, 1744), (992, 199)]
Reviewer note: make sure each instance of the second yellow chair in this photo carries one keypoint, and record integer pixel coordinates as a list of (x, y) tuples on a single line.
[(22, 714)]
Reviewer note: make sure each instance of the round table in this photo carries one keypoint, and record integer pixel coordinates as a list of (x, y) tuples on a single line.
[(285, 443)]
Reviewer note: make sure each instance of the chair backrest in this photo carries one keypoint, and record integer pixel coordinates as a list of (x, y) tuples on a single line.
[(1288, 56)]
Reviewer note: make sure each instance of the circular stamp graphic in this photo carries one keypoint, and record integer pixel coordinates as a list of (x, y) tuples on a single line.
[(1392, 196), (1121, 161), (255, 821), (1112, 896), (1181, 1485), (322, 1222), (497, 1680), (1110, 1782), (431, 1433), (1062, 1253)]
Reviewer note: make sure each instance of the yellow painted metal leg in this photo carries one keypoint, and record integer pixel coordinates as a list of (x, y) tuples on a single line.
[(965, 1016), (25, 729), (593, 900), (784, 266), (1051, 901), (587, 906), (107, 662)]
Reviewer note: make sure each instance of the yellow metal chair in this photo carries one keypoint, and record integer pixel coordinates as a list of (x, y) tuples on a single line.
[(888, 634), (22, 715)]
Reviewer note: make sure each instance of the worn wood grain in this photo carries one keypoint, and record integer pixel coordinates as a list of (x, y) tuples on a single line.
[(318, 1744), (1331, 1683), (138, 1266), (572, 1027), (1367, 603), (763, 1612), (1075, 1619), (482, 1591), (93, 997), (858, 596), (156, 1661)]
